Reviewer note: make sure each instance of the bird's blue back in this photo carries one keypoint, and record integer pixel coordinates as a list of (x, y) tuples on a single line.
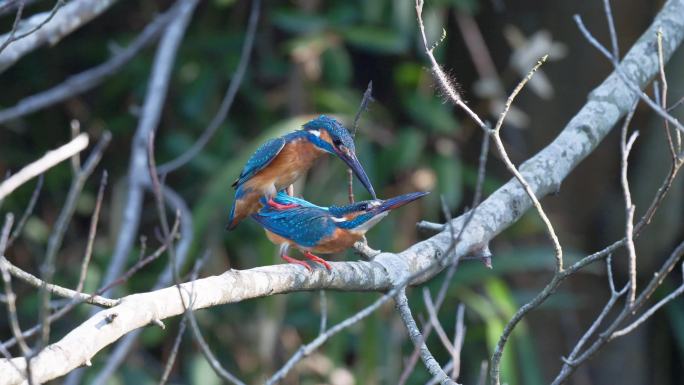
[(305, 225), (264, 155)]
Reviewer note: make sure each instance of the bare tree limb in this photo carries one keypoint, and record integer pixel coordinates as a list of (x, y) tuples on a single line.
[(55, 289), (49, 160), (151, 113), (430, 362), (87, 80), (69, 18)]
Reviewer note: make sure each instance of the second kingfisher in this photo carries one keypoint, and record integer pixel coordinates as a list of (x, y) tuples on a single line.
[(324, 230), (280, 162)]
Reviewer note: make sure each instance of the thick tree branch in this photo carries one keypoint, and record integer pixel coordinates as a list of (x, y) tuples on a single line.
[(90, 78), (69, 18)]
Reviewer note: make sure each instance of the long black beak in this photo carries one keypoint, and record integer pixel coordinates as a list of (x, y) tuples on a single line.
[(350, 159), (398, 201)]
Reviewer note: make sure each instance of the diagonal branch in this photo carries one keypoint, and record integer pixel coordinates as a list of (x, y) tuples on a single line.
[(69, 18)]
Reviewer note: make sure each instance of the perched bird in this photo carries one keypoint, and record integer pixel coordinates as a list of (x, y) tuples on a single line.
[(280, 162), (324, 230)]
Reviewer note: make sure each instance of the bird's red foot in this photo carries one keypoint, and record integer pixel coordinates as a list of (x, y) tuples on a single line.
[(318, 259), (296, 262), (279, 206)]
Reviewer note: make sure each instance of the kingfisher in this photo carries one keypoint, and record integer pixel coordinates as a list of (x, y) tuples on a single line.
[(279, 162), (324, 230)]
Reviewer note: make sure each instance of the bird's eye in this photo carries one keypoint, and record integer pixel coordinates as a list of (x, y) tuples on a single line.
[(337, 142)]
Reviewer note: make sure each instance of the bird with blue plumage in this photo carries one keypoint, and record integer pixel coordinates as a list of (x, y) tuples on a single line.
[(322, 230), (279, 162)]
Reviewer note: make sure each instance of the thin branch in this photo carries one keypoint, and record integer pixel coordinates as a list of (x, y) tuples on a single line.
[(496, 137), (89, 79), (183, 324), (611, 29), (228, 98), (15, 26), (608, 335), (625, 147), (53, 12), (77, 300), (363, 107), (9, 293), (55, 289), (324, 312), (459, 338), (434, 321), (619, 70), (442, 78), (441, 295), (663, 101), (49, 160), (91, 233), (27, 212), (150, 116), (53, 26), (55, 240), (647, 314), (614, 296), (401, 304)]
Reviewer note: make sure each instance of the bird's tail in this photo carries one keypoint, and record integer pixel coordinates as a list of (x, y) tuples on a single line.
[(232, 219)]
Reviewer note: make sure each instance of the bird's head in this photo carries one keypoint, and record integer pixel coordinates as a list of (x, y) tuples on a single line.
[(361, 216), (331, 136)]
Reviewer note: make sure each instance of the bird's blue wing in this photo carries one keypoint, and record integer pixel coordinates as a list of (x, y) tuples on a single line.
[(305, 226), (261, 158), (285, 199)]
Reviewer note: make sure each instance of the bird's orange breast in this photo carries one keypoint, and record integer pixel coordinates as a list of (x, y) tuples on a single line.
[(295, 159), (340, 240)]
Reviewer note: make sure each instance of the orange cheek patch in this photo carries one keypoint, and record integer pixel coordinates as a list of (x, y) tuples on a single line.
[(326, 136)]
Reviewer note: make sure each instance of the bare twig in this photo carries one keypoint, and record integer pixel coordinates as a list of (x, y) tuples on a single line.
[(614, 296), (438, 72), (87, 80), (363, 107), (611, 29), (49, 160), (625, 148), (27, 212), (91, 233), (54, 289), (441, 295), (401, 304), (459, 338), (434, 321), (151, 113), (609, 334), (50, 27), (11, 302), (620, 72), (15, 25), (9, 293), (647, 314), (324, 312), (77, 300), (182, 326), (496, 137), (57, 235)]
